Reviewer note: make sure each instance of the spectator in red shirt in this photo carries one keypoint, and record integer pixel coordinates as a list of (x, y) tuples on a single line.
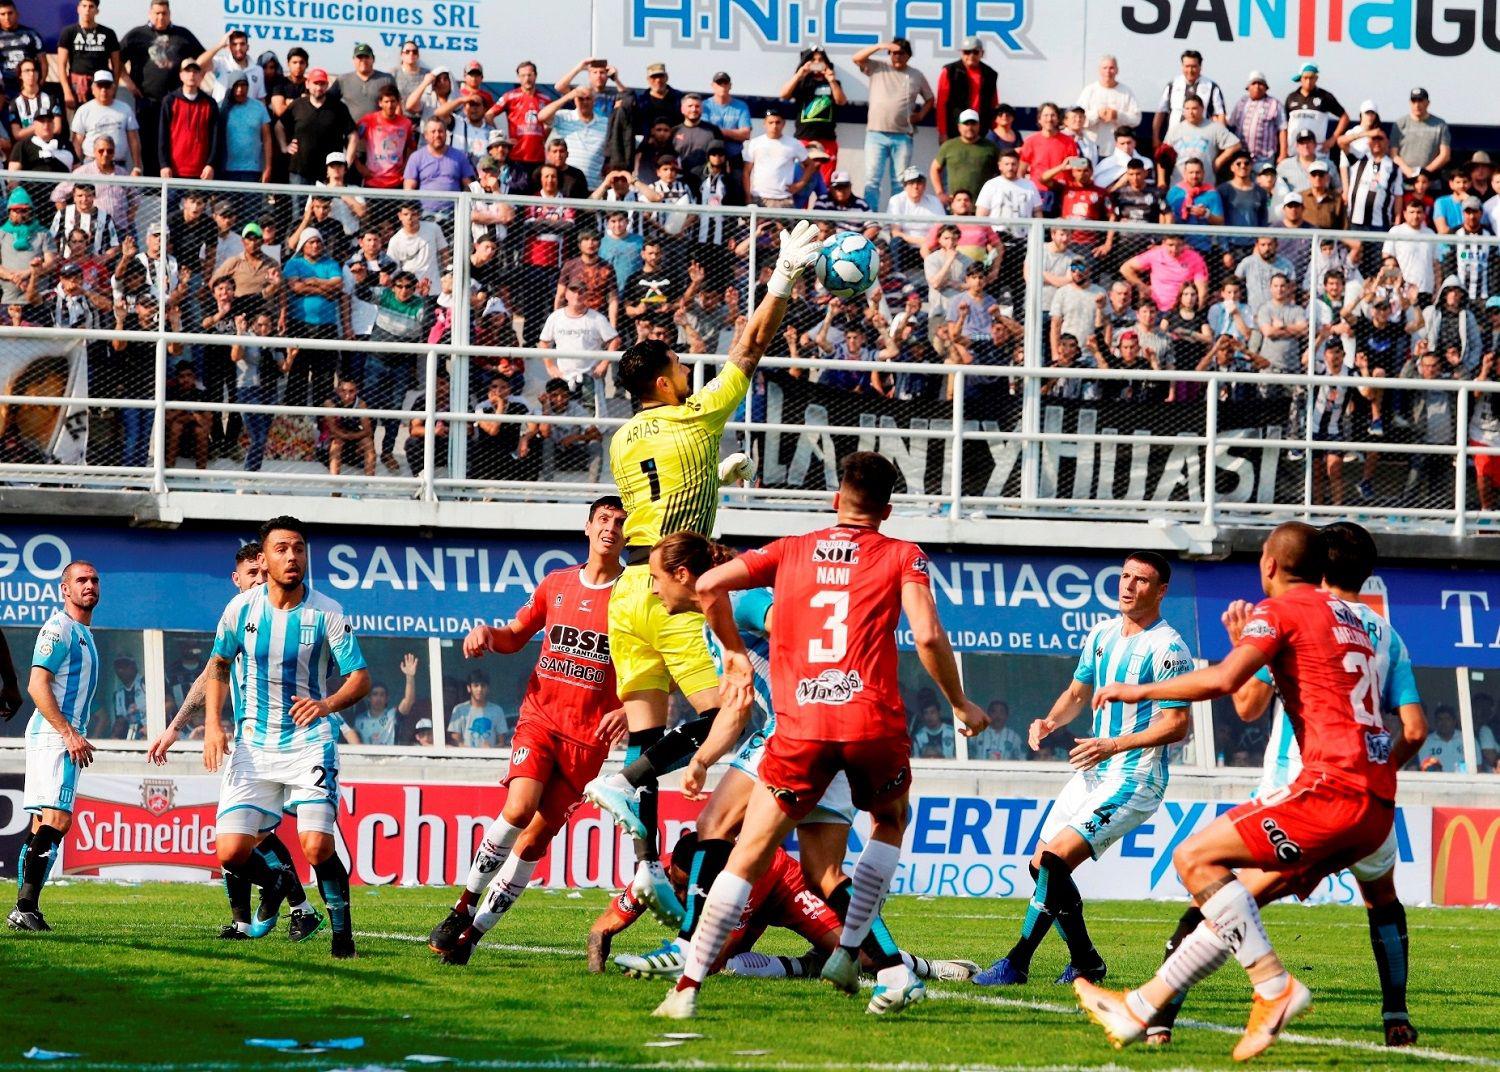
[(1082, 200), (1046, 154), (386, 139), (188, 138), (522, 108), (964, 84)]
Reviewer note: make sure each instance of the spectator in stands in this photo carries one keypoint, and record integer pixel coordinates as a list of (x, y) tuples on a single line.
[(584, 130), (895, 90), (1415, 257), (692, 137), (1075, 307), (1046, 153), (1447, 211), (402, 311), (575, 327), (84, 48), (359, 90), (1191, 82), (245, 135), (561, 438), (570, 180), (1373, 188), (118, 201), (1001, 741), (1294, 174), (417, 431), (183, 387), (127, 706), (410, 71), (315, 285), (815, 90), (1257, 270), (659, 100), (1108, 104), (76, 305), (600, 73), (1009, 196), (478, 723), (153, 55), (1244, 204), (313, 127), (1082, 200), (654, 290), (656, 144), (1322, 206), (1309, 107), (498, 451), (771, 160), (842, 198), (437, 167), (345, 433), (1109, 172), (917, 207), (104, 114), (1075, 128), (433, 92), (967, 84), (1432, 423), (1449, 325), (1283, 327), (1469, 258), (932, 735), (730, 115), (469, 128), (1190, 332), (854, 345), (1420, 141), (419, 246), (26, 250), (18, 43), (255, 275), (595, 277), (136, 373), (1257, 120), (1128, 355), (42, 151), (1382, 345), (1003, 133), (229, 59), (1194, 136), (1444, 748), (965, 162), (621, 247), (1171, 266), (384, 141), (1196, 201)]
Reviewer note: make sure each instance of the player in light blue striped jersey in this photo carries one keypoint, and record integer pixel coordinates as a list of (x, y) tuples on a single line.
[(64, 679), (1351, 560), (1122, 767), (286, 740)]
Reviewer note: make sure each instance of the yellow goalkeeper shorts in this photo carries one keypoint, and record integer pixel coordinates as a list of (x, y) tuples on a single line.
[(651, 648)]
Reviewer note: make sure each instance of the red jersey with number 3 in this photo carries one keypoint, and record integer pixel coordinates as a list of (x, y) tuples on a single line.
[(573, 685), (833, 648), (1324, 666)]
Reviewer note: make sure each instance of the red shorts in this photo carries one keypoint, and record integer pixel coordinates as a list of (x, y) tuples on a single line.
[(798, 772), (563, 765), (1486, 466), (1312, 829)]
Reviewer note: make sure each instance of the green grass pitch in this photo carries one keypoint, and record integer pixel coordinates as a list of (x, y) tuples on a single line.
[(133, 978)]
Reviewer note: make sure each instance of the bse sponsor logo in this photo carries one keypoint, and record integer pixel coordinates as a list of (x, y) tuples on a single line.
[(1465, 869), (830, 687), (583, 643), (157, 795), (1286, 849), (837, 552)]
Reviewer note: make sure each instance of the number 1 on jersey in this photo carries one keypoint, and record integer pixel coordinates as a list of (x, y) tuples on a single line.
[(649, 468), (835, 629)]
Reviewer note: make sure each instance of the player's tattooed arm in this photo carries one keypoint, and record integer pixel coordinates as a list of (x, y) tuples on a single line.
[(192, 703)]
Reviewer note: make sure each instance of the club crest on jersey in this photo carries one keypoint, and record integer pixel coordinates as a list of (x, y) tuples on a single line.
[(519, 756), (919, 565), (557, 600), (842, 552), (1259, 627), (1286, 849), (158, 794), (309, 633), (830, 687)]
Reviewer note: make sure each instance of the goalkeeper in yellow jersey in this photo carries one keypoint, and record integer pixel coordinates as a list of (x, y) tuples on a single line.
[(665, 462)]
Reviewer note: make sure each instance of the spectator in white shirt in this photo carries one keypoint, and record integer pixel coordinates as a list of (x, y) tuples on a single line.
[(1444, 748), (1415, 256), (1108, 104), (918, 207), (105, 116), (230, 59), (1190, 82), (771, 161), (585, 131)]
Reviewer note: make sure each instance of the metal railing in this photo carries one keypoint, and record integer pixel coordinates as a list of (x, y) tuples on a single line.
[(1021, 437)]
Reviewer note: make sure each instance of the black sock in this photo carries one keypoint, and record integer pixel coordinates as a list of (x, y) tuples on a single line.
[(333, 884), (637, 743), (273, 848), (39, 853), (237, 888), (257, 872), (708, 860), (672, 750), (1389, 940), (878, 947), (1166, 1016), (1035, 926), (1066, 905)]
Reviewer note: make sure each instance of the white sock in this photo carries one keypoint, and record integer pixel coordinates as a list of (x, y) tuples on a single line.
[(492, 852), (722, 911), (920, 966), (1273, 987), (872, 878), (512, 881), (1233, 915), (1197, 957)]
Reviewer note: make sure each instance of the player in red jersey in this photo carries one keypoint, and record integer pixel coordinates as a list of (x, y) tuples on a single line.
[(1337, 811), (833, 679), (570, 717), (779, 899)]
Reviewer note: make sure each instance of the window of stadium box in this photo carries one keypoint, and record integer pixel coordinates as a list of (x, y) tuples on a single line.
[(482, 697), (1014, 690), (120, 704), (400, 693), (1483, 685)]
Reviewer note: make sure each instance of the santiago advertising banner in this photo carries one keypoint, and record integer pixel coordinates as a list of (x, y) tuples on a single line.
[(407, 584), (958, 845), (1043, 49)]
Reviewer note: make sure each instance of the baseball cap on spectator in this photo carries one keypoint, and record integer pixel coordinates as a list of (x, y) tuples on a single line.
[(816, 152), (1306, 135), (363, 49), (190, 63), (715, 147), (1418, 93), (71, 268), (252, 230), (223, 207), (655, 68), (155, 228), (971, 44), (267, 57), (1317, 165), (840, 178), (1492, 302), (441, 72), (721, 78), (1368, 106), (1265, 166), (1291, 199), (335, 158), (1077, 162), (912, 174), (307, 235), (1473, 204), (1306, 68), (497, 138), (1481, 157), (317, 74), (968, 115), (1078, 266), (1129, 333), (423, 724), (489, 163), (474, 67), (1257, 76), (103, 76)]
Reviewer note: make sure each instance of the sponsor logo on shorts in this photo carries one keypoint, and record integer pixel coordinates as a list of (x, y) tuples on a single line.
[(830, 687), (158, 794), (787, 798), (895, 783), (1287, 850), (841, 552), (1258, 627)]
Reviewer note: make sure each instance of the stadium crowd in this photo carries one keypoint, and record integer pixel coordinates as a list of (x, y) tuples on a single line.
[(328, 258)]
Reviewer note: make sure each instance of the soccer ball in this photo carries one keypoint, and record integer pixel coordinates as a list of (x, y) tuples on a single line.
[(847, 264)]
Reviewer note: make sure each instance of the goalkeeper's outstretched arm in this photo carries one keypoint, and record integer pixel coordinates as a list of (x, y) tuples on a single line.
[(799, 247)]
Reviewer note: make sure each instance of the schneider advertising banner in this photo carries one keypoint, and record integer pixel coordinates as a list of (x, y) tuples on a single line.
[(958, 845)]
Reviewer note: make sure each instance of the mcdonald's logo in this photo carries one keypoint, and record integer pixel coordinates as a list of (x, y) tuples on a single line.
[(1465, 870)]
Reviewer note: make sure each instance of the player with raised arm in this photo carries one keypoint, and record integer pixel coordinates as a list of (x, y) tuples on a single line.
[(1121, 765), (1338, 809), (64, 678), (570, 718), (306, 920), (822, 837), (1351, 560), (286, 752), (665, 462), (838, 708)]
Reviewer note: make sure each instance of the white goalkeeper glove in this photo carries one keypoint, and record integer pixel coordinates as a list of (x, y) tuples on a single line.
[(799, 248), (738, 466)]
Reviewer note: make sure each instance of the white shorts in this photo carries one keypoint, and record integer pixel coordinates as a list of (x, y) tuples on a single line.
[(1102, 811), (259, 785), (837, 805), (51, 775)]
